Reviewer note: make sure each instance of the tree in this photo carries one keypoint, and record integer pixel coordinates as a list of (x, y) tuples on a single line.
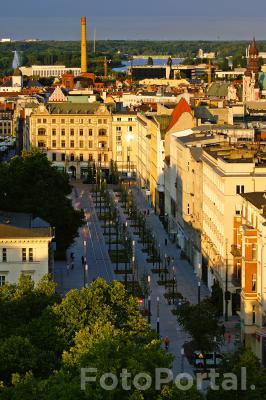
[(201, 321), (42, 191), (255, 374), (150, 61)]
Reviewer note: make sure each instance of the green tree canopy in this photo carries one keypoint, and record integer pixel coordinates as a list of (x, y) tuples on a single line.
[(31, 184)]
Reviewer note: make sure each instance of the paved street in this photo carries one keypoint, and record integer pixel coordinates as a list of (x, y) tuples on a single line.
[(91, 245)]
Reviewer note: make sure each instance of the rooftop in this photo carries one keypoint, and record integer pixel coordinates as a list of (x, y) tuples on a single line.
[(18, 225), (258, 199), (73, 108)]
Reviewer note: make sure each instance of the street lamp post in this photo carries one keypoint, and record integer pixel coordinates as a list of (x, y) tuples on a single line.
[(182, 359), (85, 270), (214, 353), (173, 289), (149, 299), (158, 316), (159, 260), (116, 258), (199, 287)]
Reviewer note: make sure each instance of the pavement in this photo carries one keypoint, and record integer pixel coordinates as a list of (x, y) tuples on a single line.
[(91, 244)]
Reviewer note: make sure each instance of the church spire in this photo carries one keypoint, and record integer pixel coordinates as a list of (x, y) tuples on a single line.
[(253, 65)]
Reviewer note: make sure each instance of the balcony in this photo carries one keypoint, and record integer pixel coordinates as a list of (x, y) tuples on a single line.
[(236, 251)]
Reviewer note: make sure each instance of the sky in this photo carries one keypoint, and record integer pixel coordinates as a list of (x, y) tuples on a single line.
[(135, 19)]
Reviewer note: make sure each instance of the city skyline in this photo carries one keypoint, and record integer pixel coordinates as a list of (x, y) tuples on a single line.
[(121, 20)]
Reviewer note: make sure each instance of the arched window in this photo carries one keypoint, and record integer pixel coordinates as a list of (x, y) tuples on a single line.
[(102, 132), (41, 131)]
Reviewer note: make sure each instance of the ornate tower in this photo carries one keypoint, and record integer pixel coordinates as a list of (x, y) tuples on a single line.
[(251, 91), (253, 60), (83, 45)]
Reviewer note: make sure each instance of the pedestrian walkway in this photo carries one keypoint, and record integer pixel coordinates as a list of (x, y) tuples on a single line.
[(167, 321), (187, 281)]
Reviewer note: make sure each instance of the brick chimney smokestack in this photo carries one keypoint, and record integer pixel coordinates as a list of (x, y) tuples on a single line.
[(83, 45)]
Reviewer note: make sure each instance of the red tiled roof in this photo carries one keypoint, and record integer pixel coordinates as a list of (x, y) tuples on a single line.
[(181, 107)]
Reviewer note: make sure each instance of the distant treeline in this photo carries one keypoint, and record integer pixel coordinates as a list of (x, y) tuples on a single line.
[(68, 53)]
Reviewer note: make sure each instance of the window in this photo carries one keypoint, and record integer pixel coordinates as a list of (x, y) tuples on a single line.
[(63, 132), (81, 144), (102, 132), (2, 280), (30, 255), (62, 121), (105, 121), (90, 132), (240, 189), (53, 121), (100, 121), (188, 209), (41, 131), (54, 157), (63, 157), (44, 120), (41, 144), (72, 121), (118, 129), (63, 143), (254, 283), (106, 158), (81, 132), (24, 254), (72, 157), (81, 157), (99, 157), (4, 255), (54, 132), (72, 132), (72, 143), (53, 143), (90, 144), (118, 138), (90, 157), (119, 119), (253, 315), (130, 129), (39, 121), (254, 252)]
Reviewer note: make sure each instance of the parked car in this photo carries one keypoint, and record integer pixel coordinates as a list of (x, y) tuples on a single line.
[(206, 361)]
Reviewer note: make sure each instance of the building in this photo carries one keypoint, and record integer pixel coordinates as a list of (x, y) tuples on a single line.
[(71, 134), (6, 123), (14, 84), (25, 247), (227, 171), (249, 269), (124, 140), (48, 71), (251, 90)]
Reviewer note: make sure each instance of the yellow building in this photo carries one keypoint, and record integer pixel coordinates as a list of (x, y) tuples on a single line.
[(25, 247), (72, 134), (124, 140), (249, 267)]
